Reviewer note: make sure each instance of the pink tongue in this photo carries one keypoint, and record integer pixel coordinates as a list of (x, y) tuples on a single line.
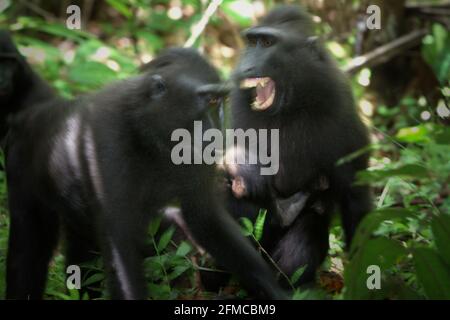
[(262, 94)]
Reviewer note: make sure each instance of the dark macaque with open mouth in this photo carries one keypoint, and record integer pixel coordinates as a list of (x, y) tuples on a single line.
[(286, 80)]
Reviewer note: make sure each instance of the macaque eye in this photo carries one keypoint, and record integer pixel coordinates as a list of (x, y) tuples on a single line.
[(266, 42), (213, 101)]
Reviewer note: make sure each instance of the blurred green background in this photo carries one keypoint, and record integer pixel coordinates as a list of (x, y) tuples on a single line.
[(402, 95)]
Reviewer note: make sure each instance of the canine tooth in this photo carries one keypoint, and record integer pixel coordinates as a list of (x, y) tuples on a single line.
[(264, 81)]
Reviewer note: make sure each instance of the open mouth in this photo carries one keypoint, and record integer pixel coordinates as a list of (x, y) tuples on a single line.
[(265, 91)]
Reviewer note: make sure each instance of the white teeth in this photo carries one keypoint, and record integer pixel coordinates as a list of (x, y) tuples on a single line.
[(253, 82), (263, 83), (260, 83)]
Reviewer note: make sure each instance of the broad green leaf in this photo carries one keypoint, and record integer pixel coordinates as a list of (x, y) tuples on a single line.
[(414, 134), (96, 277), (62, 31), (432, 273), (298, 273), (51, 53), (121, 6), (165, 239), (91, 74), (55, 29), (247, 226), (178, 271), (382, 252), (440, 226), (154, 226), (372, 221), (159, 291), (183, 249), (436, 51), (406, 171)]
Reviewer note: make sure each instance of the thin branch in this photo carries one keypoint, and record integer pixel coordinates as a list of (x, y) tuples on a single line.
[(384, 194), (45, 14), (261, 248), (200, 26), (386, 52)]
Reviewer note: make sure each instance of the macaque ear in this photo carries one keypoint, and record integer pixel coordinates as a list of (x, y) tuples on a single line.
[(157, 85), (313, 43)]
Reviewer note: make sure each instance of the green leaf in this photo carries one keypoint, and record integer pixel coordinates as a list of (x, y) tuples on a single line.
[(165, 239), (372, 221), (159, 291), (382, 252), (259, 224), (406, 171), (154, 226), (121, 6), (62, 31), (440, 225), (96, 277), (432, 273), (74, 294), (178, 271), (414, 134), (436, 51), (55, 29), (91, 74), (298, 273), (247, 226), (183, 249)]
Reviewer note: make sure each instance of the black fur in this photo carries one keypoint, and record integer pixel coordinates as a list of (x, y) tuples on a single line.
[(99, 166), (318, 122)]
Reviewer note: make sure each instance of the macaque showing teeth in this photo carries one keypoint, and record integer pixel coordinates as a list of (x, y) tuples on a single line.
[(286, 80), (264, 93)]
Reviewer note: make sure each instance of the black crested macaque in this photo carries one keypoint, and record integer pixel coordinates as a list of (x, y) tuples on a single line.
[(99, 166), (19, 85), (286, 80)]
